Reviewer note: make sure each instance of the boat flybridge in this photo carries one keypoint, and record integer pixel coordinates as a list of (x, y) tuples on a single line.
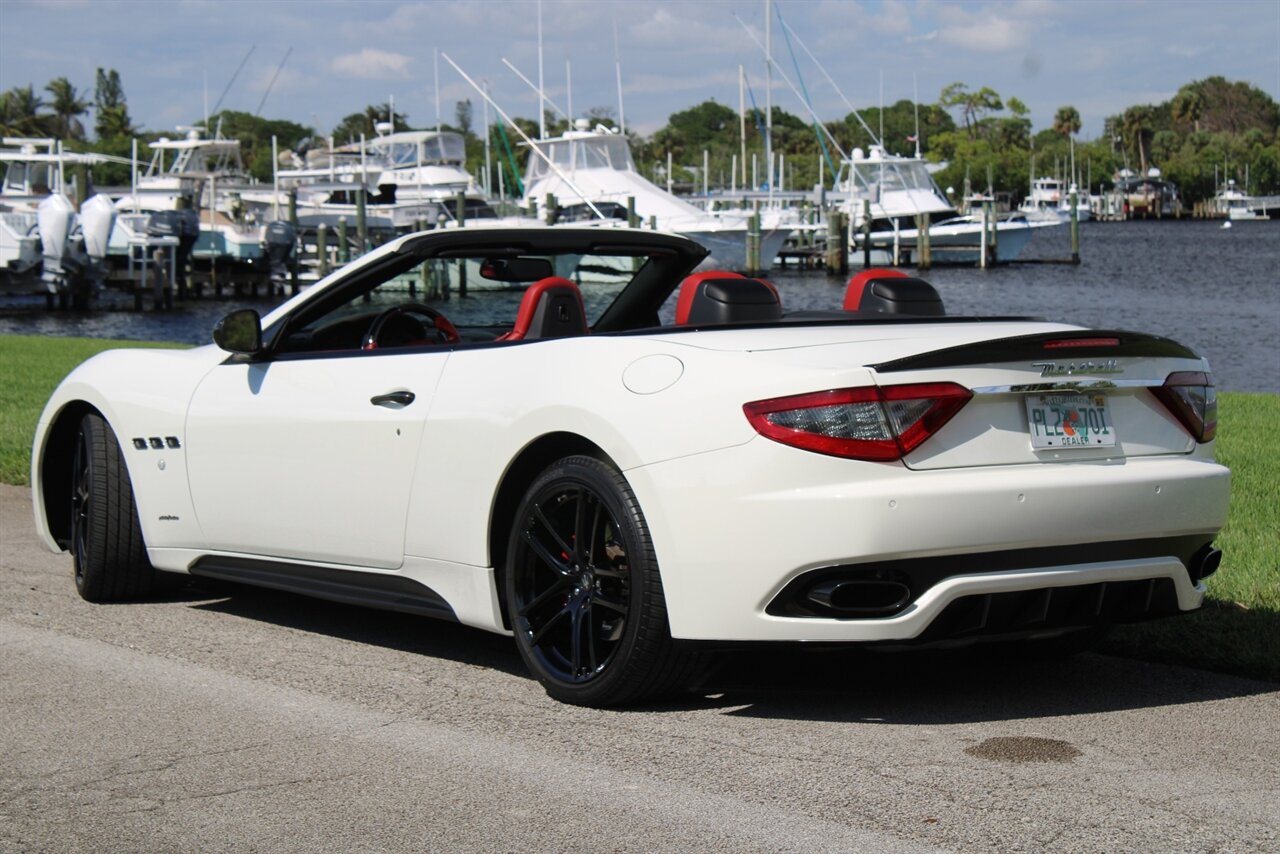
[(595, 166), (901, 188), (409, 178), (210, 174)]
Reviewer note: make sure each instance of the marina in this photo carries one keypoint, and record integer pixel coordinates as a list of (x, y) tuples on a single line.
[(1138, 275)]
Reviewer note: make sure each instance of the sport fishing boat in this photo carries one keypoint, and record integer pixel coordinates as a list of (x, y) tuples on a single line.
[(595, 166), (209, 174), (900, 189)]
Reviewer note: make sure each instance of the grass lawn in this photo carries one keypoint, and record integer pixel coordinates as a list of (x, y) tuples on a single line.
[(31, 366), (1238, 631)]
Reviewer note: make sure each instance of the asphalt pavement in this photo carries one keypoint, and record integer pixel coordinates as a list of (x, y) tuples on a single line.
[(226, 718)]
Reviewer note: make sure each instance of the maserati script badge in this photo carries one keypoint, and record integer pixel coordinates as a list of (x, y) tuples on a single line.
[(1055, 369)]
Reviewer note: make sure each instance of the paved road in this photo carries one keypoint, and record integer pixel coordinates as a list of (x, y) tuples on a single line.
[(227, 718)]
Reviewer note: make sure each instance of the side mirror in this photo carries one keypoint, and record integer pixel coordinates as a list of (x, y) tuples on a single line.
[(239, 332)]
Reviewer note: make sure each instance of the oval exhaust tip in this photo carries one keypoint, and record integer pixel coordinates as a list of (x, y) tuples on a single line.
[(861, 597)]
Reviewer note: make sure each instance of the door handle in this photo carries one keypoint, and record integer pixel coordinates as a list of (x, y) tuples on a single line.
[(398, 398)]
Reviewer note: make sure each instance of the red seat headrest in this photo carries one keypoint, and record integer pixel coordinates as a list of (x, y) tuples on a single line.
[(716, 297), (853, 292)]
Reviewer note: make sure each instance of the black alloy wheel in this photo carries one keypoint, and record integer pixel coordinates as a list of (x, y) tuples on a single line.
[(106, 537), (583, 591)]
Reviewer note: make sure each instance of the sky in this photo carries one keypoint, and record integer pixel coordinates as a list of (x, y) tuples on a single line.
[(315, 61)]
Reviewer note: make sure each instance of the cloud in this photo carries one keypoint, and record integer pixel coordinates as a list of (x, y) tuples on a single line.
[(991, 34), (373, 64)]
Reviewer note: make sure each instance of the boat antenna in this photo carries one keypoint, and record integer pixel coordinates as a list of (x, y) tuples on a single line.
[(617, 70), (915, 101), (881, 107), (568, 84), (837, 89), (436, 60), (532, 147), (785, 79), (535, 88), (230, 82), (271, 85)]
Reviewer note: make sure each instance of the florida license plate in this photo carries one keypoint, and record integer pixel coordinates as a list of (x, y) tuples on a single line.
[(1069, 421)]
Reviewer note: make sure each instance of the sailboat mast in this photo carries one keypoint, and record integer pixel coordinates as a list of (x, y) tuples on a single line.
[(542, 111), (742, 119), (768, 89), (617, 70)]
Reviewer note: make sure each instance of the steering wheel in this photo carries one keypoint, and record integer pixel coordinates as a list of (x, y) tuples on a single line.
[(445, 331)]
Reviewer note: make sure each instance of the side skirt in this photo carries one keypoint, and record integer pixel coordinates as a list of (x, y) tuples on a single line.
[(351, 587)]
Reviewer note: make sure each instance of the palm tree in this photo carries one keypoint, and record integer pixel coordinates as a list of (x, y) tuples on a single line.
[(1066, 121), (20, 112), (1188, 106), (1136, 123), (67, 106)]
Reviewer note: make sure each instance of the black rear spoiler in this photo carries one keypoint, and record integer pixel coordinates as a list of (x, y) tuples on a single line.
[(1065, 346)]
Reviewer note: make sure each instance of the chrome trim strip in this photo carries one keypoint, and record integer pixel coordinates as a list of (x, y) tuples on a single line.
[(1075, 385)]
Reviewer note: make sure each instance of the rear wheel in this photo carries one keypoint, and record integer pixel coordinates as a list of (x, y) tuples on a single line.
[(106, 537), (583, 590)]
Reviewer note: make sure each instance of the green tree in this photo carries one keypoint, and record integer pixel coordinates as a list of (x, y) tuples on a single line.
[(255, 133), (1136, 127), (1066, 121), (463, 113), (364, 123), (111, 119), (67, 106), (973, 105), (20, 112), (1188, 106)]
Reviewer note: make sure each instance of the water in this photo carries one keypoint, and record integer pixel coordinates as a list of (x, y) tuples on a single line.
[(1216, 290)]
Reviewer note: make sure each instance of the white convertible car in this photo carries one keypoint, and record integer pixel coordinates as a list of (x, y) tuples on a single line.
[(640, 463)]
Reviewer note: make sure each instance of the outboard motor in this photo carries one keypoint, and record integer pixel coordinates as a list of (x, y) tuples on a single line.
[(69, 274), (188, 234), (280, 242), (97, 218)]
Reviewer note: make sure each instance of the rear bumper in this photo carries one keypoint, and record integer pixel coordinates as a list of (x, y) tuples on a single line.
[(734, 528)]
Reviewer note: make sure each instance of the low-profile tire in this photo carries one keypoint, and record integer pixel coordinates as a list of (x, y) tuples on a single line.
[(106, 537), (583, 591)]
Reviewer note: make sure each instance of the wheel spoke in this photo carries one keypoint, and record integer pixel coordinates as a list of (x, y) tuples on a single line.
[(581, 536), (555, 535), (596, 530), (581, 619), (542, 598), (610, 604), (546, 556), (555, 618)]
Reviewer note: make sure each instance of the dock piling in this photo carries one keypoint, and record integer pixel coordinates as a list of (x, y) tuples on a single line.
[(1075, 229)]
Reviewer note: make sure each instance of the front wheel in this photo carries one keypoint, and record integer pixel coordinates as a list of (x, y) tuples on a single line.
[(106, 537), (583, 590)]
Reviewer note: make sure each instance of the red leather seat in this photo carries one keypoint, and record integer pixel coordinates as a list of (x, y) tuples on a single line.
[(550, 308), (714, 297)]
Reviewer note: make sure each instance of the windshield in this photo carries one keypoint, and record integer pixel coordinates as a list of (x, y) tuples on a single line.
[(592, 152), (876, 177)]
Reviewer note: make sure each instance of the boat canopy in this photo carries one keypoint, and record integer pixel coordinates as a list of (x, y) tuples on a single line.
[(581, 151), (874, 177), (425, 147)]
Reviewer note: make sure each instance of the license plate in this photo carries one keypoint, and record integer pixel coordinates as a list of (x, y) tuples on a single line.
[(1069, 421)]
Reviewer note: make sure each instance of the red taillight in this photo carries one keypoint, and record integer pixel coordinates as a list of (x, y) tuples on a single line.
[(867, 423), (1193, 400)]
